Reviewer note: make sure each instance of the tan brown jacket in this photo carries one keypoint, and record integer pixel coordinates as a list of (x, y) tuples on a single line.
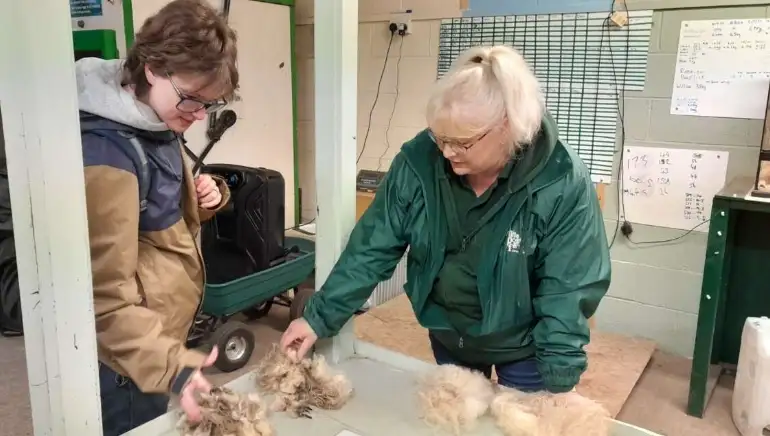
[(148, 275)]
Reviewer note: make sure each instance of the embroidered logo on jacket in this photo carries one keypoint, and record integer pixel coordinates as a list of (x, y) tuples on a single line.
[(513, 242)]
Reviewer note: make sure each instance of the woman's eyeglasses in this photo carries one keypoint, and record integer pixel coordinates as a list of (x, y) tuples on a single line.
[(458, 147), (191, 105)]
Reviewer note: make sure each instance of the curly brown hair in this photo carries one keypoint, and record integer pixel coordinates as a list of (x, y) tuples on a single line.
[(184, 37)]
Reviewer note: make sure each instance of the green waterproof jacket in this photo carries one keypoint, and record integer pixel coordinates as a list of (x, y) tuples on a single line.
[(538, 283)]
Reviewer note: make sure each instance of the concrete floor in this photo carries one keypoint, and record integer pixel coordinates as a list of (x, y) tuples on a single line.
[(657, 403)]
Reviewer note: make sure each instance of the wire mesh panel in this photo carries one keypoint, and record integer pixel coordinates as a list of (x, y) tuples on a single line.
[(582, 62)]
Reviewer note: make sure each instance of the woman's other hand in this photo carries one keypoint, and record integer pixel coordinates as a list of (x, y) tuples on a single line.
[(299, 335)]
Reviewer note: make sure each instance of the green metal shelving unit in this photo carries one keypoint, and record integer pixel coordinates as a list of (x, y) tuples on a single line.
[(736, 285)]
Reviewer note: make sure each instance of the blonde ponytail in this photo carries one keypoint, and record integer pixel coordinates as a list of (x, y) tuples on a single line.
[(484, 86)]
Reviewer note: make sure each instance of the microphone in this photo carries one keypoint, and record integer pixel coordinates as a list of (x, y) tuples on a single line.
[(224, 121)]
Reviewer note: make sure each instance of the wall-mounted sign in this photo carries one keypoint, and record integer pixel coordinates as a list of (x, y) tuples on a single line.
[(85, 8)]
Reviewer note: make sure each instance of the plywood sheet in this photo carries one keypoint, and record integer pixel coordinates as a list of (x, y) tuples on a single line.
[(363, 200), (615, 362), (659, 401)]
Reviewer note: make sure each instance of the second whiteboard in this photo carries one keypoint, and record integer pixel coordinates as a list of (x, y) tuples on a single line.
[(672, 188)]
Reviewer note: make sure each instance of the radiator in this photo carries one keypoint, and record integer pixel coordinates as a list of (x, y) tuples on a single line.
[(389, 289), (385, 291)]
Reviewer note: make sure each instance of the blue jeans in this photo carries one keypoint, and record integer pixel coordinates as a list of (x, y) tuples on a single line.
[(522, 375), (124, 406)]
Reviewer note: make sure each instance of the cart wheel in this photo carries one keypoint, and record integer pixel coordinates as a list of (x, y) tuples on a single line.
[(297, 307), (259, 311), (235, 344)]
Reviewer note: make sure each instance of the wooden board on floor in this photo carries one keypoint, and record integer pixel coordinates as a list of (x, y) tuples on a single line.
[(615, 362)]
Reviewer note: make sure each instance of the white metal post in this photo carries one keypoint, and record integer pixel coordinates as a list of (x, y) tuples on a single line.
[(38, 97), (336, 97)]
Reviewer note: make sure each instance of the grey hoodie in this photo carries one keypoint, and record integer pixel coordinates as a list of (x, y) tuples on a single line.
[(100, 93)]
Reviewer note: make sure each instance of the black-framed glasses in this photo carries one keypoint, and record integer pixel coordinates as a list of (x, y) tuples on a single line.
[(191, 105), (456, 146)]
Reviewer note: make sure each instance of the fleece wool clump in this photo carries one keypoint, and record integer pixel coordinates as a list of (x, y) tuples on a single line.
[(300, 385), (225, 413), (543, 414), (453, 398)]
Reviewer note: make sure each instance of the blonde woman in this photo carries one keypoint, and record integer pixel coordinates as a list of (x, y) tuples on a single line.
[(508, 256)]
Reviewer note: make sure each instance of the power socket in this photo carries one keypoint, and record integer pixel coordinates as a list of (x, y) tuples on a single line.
[(626, 229), (403, 22)]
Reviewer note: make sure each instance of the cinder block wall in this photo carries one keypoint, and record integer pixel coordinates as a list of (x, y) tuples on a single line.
[(655, 289), (399, 112)]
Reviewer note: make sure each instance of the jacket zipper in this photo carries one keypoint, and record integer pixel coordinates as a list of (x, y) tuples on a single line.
[(181, 142), (203, 287)]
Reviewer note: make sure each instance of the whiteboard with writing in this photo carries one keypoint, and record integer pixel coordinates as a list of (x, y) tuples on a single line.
[(671, 187), (722, 68)]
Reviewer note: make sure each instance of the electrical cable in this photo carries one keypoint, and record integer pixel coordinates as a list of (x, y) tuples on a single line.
[(395, 103), (665, 241), (299, 226), (377, 95), (620, 92), (226, 10)]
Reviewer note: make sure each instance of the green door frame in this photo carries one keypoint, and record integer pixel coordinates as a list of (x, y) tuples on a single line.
[(128, 22), (294, 100)]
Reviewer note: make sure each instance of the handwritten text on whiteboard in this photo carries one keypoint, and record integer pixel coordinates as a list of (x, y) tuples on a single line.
[(671, 187)]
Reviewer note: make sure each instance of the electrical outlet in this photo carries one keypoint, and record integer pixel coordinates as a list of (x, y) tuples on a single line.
[(403, 22)]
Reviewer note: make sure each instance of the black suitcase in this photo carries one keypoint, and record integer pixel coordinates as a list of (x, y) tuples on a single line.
[(247, 235)]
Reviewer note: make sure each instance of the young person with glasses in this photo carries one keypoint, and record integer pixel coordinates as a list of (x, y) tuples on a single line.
[(148, 274)]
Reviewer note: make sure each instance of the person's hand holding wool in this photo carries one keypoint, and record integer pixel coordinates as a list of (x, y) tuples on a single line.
[(195, 385)]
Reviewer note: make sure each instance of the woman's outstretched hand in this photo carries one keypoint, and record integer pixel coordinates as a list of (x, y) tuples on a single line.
[(299, 336)]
